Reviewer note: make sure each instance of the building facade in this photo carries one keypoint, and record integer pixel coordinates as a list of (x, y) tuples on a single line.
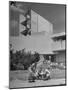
[(40, 38), (59, 47), (34, 33)]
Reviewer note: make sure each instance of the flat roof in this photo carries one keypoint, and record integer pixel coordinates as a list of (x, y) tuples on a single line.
[(57, 35), (59, 50)]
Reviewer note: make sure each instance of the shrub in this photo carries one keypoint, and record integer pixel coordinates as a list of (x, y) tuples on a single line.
[(22, 60)]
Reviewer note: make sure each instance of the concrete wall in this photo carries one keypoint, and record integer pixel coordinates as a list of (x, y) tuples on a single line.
[(44, 25), (40, 41), (34, 22), (39, 24)]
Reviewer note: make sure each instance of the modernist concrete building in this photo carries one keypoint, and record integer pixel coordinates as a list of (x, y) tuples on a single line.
[(41, 39), (59, 47)]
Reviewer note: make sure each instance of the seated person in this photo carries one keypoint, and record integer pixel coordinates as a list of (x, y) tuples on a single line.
[(32, 70), (46, 74)]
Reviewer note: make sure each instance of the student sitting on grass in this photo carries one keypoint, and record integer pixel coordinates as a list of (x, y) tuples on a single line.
[(32, 70)]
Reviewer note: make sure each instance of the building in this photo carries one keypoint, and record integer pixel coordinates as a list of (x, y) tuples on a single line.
[(31, 31), (41, 31), (59, 47)]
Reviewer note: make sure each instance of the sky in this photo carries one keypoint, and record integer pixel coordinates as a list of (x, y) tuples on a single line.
[(55, 13)]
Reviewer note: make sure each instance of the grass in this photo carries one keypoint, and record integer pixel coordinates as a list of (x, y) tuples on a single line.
[(23, 74)]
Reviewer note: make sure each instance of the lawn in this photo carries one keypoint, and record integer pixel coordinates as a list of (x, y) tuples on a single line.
[(23, 74)]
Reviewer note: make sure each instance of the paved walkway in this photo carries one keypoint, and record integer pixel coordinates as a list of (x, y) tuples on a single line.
[(19, 83)]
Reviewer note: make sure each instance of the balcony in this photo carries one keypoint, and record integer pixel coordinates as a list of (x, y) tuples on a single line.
[(58, 45)]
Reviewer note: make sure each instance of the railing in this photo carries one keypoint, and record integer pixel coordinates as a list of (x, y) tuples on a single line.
[(58, 45)]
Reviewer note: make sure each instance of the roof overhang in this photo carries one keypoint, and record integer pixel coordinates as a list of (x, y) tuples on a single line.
[(58, 35)]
